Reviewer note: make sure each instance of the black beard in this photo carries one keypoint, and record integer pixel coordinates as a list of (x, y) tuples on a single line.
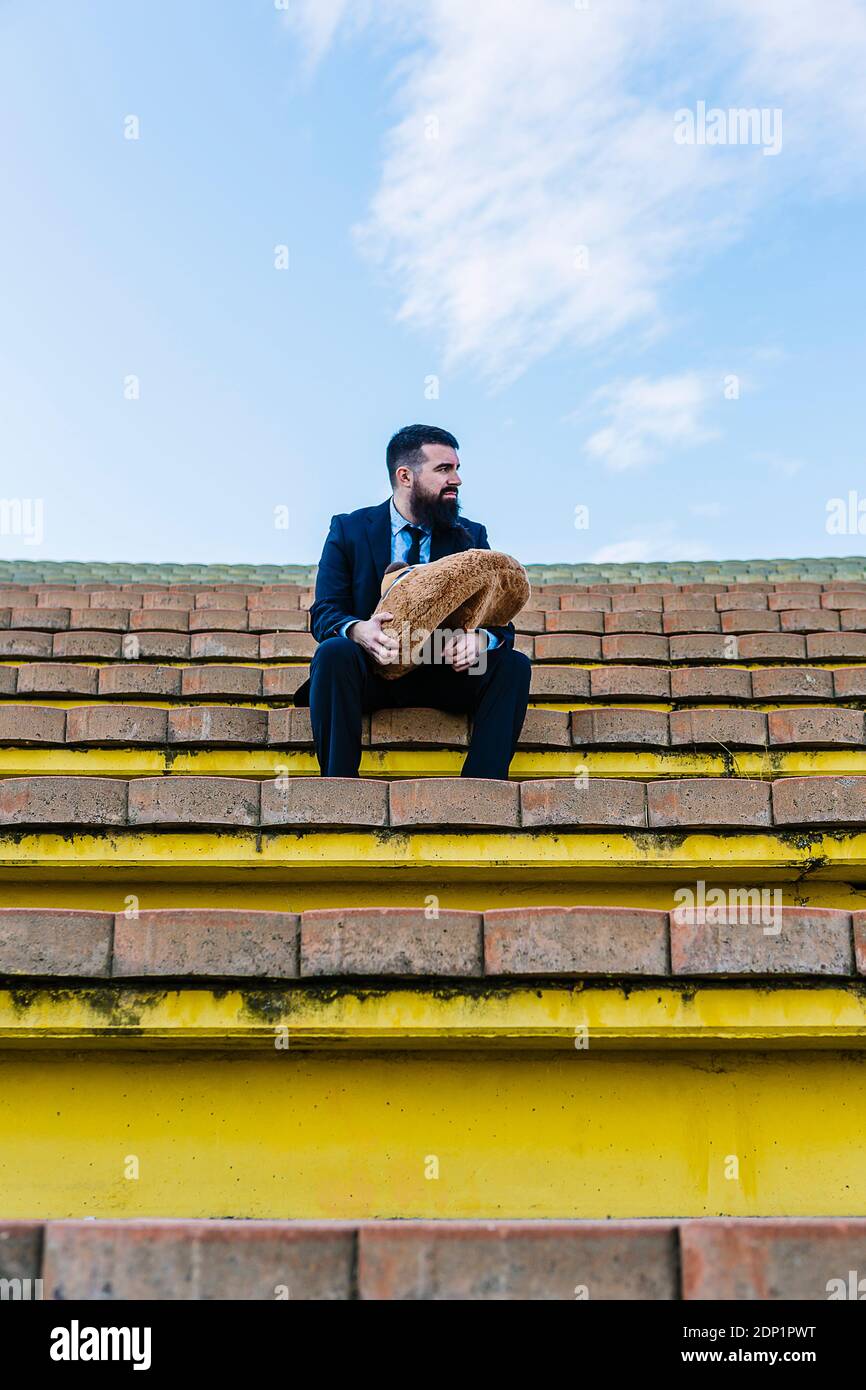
[(436, 513)]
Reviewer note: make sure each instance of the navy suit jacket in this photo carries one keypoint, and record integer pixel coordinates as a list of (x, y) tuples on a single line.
[(358, 551)]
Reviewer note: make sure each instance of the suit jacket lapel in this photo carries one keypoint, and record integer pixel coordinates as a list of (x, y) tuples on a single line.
[(379, 532)]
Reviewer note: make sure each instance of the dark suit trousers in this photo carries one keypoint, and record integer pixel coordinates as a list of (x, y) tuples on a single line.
[(344, 686)]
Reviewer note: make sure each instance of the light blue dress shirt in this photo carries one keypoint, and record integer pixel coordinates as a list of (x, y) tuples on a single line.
[(401, 540), (401, 543)]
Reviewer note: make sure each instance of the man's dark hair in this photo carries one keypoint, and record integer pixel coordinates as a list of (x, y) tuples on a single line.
[(406, 445)]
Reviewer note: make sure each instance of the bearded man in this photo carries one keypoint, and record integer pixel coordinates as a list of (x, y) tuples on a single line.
[(477, 673)]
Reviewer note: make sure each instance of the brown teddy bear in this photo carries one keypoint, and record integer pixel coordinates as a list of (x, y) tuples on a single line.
[(472, 589)]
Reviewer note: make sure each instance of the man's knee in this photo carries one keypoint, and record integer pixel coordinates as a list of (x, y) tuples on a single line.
[(515, 667), (336, 654)]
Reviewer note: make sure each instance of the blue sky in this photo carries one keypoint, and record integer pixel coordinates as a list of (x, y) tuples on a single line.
[(490, 196)]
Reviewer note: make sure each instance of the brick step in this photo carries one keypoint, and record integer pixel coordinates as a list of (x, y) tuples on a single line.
[(129, 725), (749, 935), (241, 645), (808, 803), (152, 681), (585, 614), (794, 573), (663, 685), (560, 706), (714, 594), (156, 645), (745, 1259), (698, 648)]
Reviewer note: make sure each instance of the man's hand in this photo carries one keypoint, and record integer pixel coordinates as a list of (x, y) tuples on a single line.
[(382, 646), (462, 650)]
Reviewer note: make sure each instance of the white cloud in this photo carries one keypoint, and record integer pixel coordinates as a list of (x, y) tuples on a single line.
[(555, 132), (624, 553), (780, 463), (316, 23), (647, 419), (656, 543), (809, 58)]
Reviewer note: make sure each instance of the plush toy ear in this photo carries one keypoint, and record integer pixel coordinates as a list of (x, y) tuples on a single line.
[(390, 576)]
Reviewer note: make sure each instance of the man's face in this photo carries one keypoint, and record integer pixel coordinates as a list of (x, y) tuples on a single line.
[(434, 485)]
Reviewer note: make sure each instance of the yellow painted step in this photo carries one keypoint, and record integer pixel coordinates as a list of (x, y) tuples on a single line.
[(293, 895), (433, 762), (367, 857), (563, 706), (444, 1134), (490, 1015)]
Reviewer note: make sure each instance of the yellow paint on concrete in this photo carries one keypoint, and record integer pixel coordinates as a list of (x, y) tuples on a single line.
[(105, 702), (622, 763), (434, 762), (352, 1135), (762, 706), (685, 665), (487, 1014), (115, 702), (419, 856), (259, 663), (301, 896)]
